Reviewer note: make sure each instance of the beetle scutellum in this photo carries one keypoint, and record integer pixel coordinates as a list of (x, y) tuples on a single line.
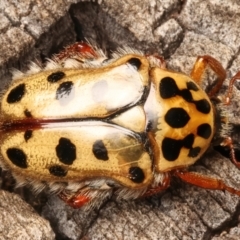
[(89, 128)]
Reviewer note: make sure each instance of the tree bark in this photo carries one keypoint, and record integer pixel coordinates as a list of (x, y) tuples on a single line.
[(178, 30)]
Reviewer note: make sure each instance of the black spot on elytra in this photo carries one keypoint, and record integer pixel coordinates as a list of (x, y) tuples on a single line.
[(58, 171), (99, 150), (27, 113), (55, 77), (135, 62), (16, 93), (204, 130), (171, 148), (203, 106), (192, 86), (168, 88), (64, 90), (66, 151), (136, 174), (194, 152), (28, 135), (177, 117), (17, 157)]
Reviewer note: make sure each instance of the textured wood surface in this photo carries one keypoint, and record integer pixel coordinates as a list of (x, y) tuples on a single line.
[(179, 30)]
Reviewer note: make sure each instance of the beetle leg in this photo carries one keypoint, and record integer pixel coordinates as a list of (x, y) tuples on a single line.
[(200, 66), (204, 181), (80, 55), (76, 49), (228, 96), (227, 142), (75, 201), (159, 188)]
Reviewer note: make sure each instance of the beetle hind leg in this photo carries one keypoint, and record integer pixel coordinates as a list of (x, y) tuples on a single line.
[(80, 53), (74, 201), (86, 199)]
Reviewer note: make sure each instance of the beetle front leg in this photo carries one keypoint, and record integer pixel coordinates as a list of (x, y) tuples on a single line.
[(228, 96), (200, 67), (203, 181), (227, 142)]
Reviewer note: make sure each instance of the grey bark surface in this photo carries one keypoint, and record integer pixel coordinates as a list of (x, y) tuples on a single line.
[(180, 31), (20, 221)]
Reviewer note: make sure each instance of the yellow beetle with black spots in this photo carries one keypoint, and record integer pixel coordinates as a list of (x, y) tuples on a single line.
[(90, 128)]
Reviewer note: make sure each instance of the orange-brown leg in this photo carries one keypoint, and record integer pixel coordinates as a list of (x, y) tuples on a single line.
[(165, 184), (78, 48), (227, 142), (204, 181), (200, 66), (75, 201), (228, 96)]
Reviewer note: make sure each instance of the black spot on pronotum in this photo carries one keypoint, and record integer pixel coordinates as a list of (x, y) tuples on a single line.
[(58, 171), (192, 86), (194, 152), (64, 90), (28, 135), (204, 130), (135, 62), (171, 148), (66, 151), (168, 88), (136, 174), (186, 95), (27, 113), (16, 93), (55, 77), (17, 157), (188, 140), (177, 117), (99, 150), (203, 106)]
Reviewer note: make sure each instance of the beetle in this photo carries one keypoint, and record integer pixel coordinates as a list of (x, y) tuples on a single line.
[(89, 127)]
